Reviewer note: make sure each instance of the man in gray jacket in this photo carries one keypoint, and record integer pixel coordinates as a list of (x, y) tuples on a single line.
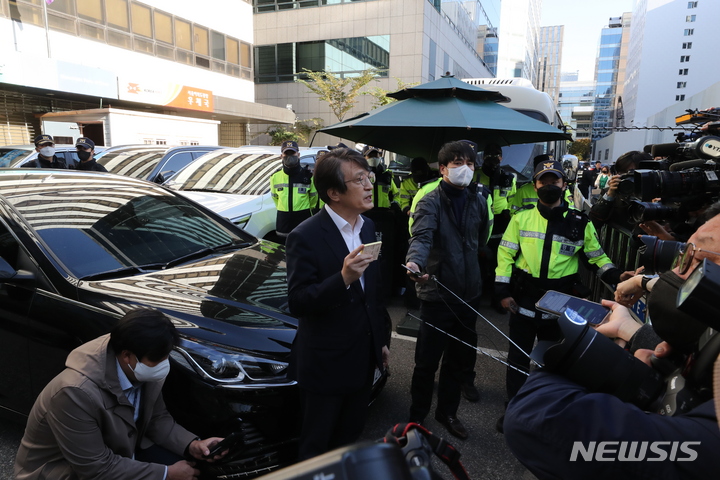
[(104, 415), (450, 224)]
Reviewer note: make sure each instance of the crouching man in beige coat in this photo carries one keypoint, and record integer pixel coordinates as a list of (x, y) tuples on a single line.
[(104, 415)]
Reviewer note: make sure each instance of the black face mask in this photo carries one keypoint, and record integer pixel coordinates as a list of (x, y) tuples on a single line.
[(675, 327), (490, 167), (549, 194), (291, 162), (84, 156)]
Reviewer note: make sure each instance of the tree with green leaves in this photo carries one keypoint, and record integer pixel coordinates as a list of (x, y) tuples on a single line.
[(299, 132), (380, 94), (580, 148), (340, 93)]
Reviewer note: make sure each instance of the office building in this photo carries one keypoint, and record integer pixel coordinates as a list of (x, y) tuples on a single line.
[(576, 100), (610, 67), (549, 60), (519, 31), (672, 48), (176, 60), (410, 40)]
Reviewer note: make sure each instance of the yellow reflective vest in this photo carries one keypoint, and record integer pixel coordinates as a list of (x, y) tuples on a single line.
[(500, 196)]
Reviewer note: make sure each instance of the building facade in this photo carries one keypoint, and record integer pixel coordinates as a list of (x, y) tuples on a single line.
[(518, 51), (155, 56), (550, 60), (576, 100), (671, 42), (414, 41), (610, 69)]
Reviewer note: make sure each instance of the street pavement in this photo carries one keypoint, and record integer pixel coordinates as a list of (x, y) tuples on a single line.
[(484, 454)]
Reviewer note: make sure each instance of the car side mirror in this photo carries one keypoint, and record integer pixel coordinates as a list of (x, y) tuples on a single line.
[(6, 271)]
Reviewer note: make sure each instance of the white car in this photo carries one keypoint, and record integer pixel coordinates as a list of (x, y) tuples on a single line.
[(235, 183)]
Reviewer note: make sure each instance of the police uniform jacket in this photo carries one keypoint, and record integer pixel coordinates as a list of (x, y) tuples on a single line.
[(384, 190), (91, 165), (546, 252), (502, 194), (82, 425), (42, 163), (442, 247), (527, 195), (294, 195)]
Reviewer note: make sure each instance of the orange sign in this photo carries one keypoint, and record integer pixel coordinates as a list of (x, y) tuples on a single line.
[(193, 99)]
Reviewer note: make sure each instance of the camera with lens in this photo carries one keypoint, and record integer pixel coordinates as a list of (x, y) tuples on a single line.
[(686, 178), (673, 385)]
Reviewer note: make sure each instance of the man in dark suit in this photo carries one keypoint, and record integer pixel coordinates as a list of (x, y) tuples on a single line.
[(333, 289)]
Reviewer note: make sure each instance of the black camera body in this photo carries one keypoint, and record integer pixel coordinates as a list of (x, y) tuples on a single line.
[(685, 180)]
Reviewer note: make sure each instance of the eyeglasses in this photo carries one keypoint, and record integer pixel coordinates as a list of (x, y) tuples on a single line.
[(360, 180), (685, 257)]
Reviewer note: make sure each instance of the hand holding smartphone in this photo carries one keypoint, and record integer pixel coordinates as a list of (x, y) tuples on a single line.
[(556, 303), (225, 444)]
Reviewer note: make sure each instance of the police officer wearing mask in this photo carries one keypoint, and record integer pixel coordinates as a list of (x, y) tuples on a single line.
[(540, 251), (292, 190), (85, 151), (45, 146), (386, 215)]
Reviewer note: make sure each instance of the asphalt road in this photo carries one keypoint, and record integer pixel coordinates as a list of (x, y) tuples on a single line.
[(484, 454)]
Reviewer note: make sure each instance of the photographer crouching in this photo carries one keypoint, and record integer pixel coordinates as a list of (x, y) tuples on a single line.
[(596, 410)]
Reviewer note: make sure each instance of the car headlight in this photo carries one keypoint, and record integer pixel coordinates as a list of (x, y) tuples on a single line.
[(230, 367), (242, 221)]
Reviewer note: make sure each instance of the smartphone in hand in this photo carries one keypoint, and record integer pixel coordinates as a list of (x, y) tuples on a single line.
[(556, 303), (225, 444)]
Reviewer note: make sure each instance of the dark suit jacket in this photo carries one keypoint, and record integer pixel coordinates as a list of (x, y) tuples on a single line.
[(341, 330)]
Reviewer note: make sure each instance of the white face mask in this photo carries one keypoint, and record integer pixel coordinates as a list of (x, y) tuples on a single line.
[(460, 176), (374, 161), (143, 373), (47, 151)]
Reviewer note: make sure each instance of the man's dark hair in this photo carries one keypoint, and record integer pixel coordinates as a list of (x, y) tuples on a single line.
[(452, 150), (328, 170), (146, 332), (630, 161), (492, 149)]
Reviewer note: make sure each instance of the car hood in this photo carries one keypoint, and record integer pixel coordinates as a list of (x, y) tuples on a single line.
[(221, 202), (237, 299)]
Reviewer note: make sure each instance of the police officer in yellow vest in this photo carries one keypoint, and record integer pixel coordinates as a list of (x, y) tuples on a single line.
[(385, 214), (292, 190), (419, 173), (539, 251), (526, 194)]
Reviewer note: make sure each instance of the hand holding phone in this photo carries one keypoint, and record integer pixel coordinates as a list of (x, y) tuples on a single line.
[(412, 272), (556, 303), (225, 444)]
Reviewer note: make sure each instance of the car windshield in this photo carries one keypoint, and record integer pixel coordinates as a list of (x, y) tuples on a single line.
[(95, 229), (238, 173), (131, 163), (13, 156)]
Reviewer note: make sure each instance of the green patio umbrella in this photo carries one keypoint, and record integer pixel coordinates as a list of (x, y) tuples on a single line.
[(429, 115)]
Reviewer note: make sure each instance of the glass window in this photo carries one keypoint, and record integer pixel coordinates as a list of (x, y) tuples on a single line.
[(232, 51), (117, 14), (609, 52), (62, 6), (27, 14), (183, 37), (610, 39), (681, 84), (245, 55), (141, 20), (218, 45), (176, 162), (689, 31), (202, 45), (607, 64), (692, 4), (163, 27), (90, 10), (690, 18)]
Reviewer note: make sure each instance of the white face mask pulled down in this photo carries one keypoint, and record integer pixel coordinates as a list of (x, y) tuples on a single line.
[(460, 176)]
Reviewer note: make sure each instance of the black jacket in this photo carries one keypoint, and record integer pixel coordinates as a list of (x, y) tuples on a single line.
[(91, 165), (443, 248)]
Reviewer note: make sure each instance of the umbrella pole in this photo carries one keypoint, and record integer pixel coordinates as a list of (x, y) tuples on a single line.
[(313, 138)]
